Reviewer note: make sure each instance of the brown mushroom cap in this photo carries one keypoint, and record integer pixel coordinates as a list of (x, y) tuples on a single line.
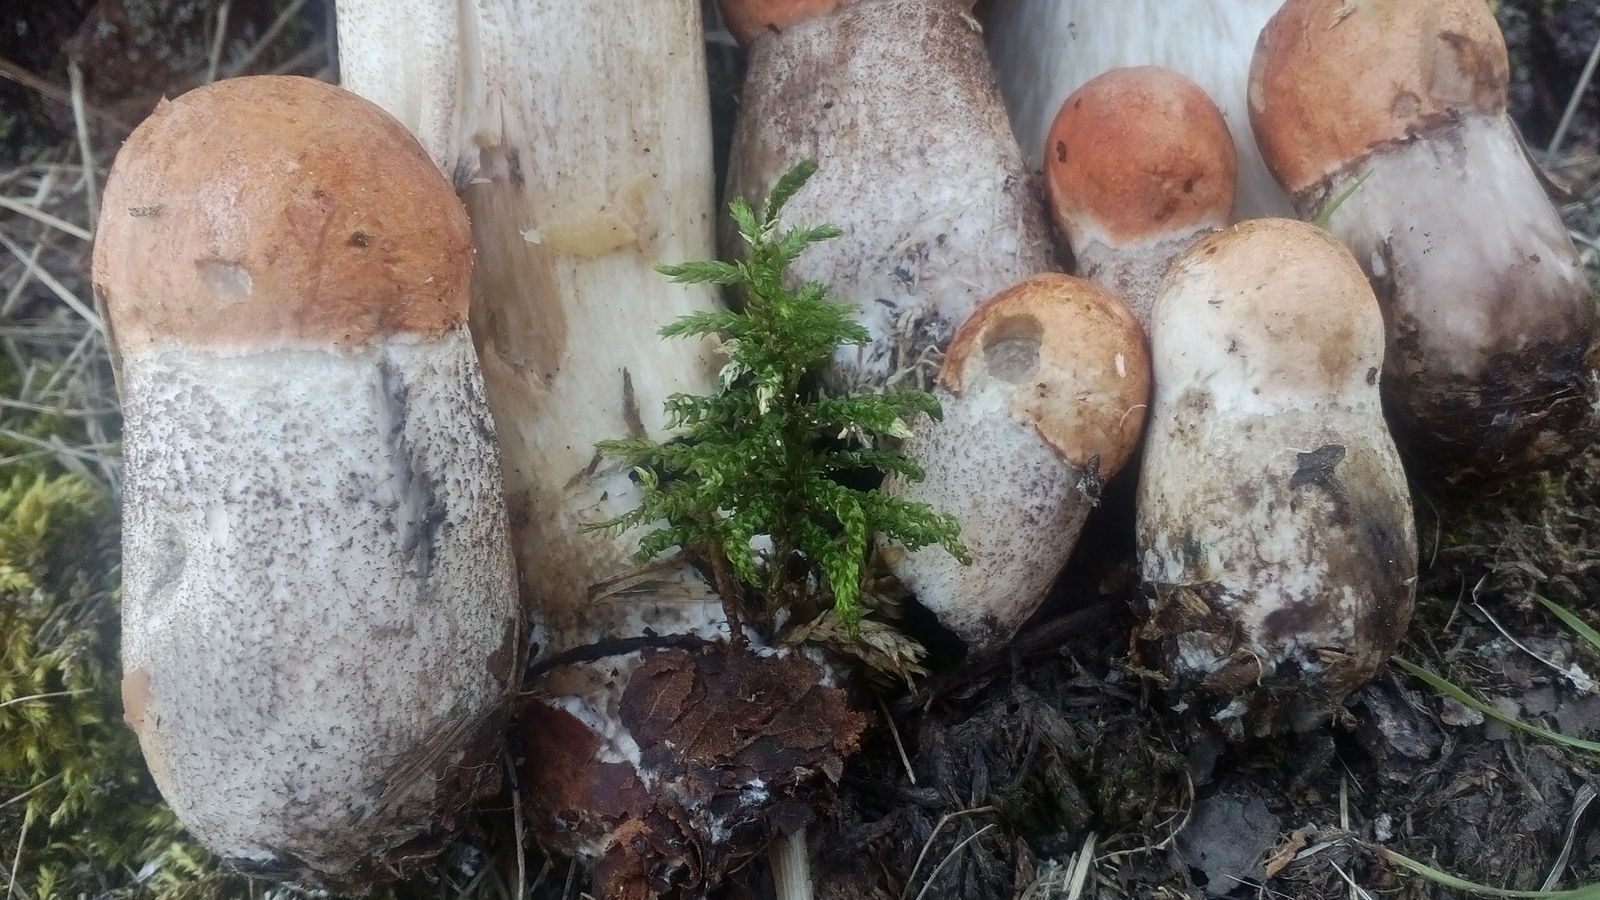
[(1082, 353), (1333, 78), (747, 19), (271, 211), (1136, 152)]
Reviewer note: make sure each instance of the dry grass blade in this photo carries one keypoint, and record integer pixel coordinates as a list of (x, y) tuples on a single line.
[(954, 851), (1578, 92), (928, 845), (56, 287), (40, 215)]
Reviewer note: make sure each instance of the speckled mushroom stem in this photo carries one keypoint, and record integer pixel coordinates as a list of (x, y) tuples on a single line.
[(1275, 532), (1044, 392), (1044, 50), (587, 162), (1391, 116), (319, 604), (897, 102)]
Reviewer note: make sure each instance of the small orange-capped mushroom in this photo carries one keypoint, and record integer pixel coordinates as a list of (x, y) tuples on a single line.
[(319, 600), (1387, 119), (1044, 50), (1044, 392), (1138, 163)]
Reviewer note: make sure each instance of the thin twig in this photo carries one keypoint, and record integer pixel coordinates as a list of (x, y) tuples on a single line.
[(216, 41), (517, 827), (13, 72), (31, 791), (1573, 101), (895, 733), (616, 647), (56, 287), (938, 827), (80, 118), (267, 37), (932, 876), (16, 861), (40, 215)]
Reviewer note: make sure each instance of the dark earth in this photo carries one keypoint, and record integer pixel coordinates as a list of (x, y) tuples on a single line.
[(990, 781)]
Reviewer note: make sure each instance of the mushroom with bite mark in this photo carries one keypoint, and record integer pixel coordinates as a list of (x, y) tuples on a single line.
[(1138, 165), (1390, 118), (319, 603), (1044, 393)]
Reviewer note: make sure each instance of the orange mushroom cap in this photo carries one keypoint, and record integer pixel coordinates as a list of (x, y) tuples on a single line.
[(1078, 356), (747, 19), (1139, 151), (278, 211), (1332, 79)]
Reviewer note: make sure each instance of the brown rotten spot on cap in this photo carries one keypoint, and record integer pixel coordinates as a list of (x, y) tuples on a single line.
[(1333, 78), (1136, 153), (1075, 357), (268, 212)]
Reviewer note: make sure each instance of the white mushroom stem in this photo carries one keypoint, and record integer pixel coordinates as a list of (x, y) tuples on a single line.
[(1044, 50), (897, 102), (571, 211), (1044, 393), (319, 603)]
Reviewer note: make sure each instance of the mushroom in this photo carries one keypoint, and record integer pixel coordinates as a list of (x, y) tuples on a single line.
[(1044, 50), (1275, 533), (1138, 165), (1389, 120), (1044, 393), (897, 102), (319, 605), (571, 213)]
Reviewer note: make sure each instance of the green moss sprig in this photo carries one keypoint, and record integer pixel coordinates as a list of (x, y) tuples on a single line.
[(766, 453)]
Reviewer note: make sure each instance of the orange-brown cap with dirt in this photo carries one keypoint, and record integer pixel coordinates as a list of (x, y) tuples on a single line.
[(1077, 358), (1333, 78), (1138, 152), (268, 212)]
